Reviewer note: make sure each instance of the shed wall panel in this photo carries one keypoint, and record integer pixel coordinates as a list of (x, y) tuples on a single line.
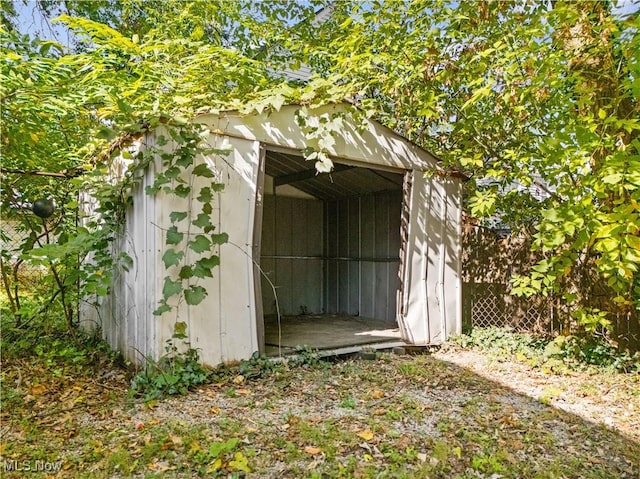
[(360, 231), (293, 260), (222, 327), (431, 288)]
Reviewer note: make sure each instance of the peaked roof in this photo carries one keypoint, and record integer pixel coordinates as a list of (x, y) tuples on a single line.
[(366, 143)]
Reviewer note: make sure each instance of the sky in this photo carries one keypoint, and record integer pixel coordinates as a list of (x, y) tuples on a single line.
[(31, 20)]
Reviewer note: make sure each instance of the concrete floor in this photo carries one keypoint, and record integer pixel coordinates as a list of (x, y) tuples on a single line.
[(326, 332)]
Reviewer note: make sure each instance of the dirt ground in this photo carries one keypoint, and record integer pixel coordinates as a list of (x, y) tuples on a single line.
[(450, 414)]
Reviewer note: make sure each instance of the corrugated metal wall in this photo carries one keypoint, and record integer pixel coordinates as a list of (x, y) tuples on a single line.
[(363, 251), (291, 255), (222, 327), (339, 256), (431, 309)]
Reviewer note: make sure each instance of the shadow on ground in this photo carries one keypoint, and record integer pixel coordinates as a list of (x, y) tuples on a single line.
[(398, 416)]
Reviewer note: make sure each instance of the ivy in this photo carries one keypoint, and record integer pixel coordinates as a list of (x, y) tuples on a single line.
[(172, 257), (173, 235)]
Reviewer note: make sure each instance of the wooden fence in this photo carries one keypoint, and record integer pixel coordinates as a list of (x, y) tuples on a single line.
[(490, 259)]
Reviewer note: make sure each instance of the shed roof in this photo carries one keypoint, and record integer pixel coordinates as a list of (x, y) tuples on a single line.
[(366, 143)]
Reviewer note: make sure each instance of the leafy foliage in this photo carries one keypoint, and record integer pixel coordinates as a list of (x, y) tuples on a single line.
[(72, 118), (538, 103), (174, 373), (564, 353)]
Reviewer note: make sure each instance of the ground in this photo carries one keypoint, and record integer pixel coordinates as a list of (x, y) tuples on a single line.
[(449, 414)]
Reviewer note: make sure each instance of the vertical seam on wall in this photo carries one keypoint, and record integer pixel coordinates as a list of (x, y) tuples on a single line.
[(359, 256), (443, 221)]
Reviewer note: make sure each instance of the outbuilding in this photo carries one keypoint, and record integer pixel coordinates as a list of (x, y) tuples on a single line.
[(368, 253)]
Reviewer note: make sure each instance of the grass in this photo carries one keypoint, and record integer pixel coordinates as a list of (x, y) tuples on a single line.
[(414, 416), (67, 401)]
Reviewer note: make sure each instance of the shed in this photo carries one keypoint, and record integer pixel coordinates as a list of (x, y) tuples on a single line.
[(375, 240)]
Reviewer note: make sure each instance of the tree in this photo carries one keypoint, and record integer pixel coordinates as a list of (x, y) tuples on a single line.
[(515, 93), (519, 94), (68, 110)]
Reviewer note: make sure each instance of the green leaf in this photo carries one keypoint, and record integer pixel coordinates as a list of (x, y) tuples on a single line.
[(182, 191), (170, 288), (176, 216), (172, 257), (106, 133), (205, 195), (203, 170), (220, 238), (163, 308), (200, 244), (186, 272), (613, 179), (633, 241), (172, 172), (194, 295), (151, 189), (204, 266), (174, 236), (202, 221), (180, 329), (185, 159)]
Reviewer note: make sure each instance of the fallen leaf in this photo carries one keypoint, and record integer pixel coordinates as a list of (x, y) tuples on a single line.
[(238, 379), (377, 394), (38, 390), (243, 391), (380, 411), (367, 434), (177, 440), (312, 450)]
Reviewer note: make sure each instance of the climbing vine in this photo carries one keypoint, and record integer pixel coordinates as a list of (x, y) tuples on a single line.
[(76, 120), (191, 240)]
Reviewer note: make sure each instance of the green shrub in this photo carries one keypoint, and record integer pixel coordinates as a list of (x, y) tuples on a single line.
[(577, 351), (563, 352), (175, 373)]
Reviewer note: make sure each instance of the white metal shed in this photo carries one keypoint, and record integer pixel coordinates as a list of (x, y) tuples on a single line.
[(377, 237)]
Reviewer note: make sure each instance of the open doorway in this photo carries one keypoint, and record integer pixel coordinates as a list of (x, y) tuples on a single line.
[(330, 245)]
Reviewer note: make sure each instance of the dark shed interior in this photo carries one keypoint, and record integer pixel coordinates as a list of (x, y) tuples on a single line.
[(330, 243)]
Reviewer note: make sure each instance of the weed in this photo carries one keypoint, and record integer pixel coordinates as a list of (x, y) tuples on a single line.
[(348, 402), (306, 356), (491, 464), (564, 353), (224, 456), (258, 366), (393, 414), (174, 373)]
